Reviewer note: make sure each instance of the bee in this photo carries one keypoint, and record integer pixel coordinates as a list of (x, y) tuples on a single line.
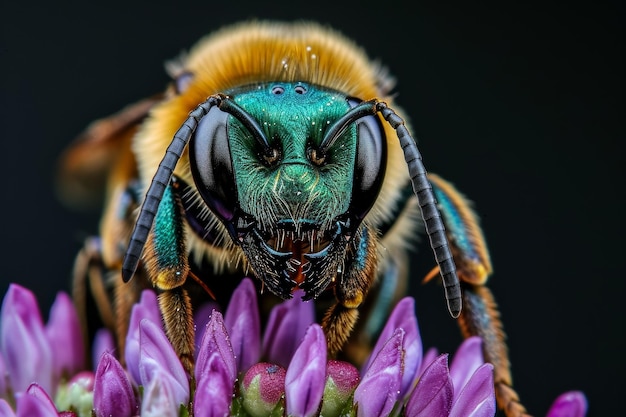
[(276, 151)]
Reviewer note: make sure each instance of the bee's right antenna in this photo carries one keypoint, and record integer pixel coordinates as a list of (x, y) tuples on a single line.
[(161, 179), (428, 204)]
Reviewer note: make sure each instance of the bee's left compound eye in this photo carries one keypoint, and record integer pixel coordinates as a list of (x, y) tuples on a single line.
[(370, 164), (211, 164)]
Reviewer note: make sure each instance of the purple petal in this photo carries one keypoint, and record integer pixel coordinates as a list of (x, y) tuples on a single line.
[(157, 357), (201, 317), (569, 404), (23, 341), (379, 389), (477, 398), (3, 378), (66, 340), (286, 326), (429, 357), (216, 370), (244, 326), (434, 391), (214, 390), (467, 359), (5, 409), (158, 398), (146, 308), (112, 392), (216, 341), (103, 341), (43, 406), (403, 317), (306, 374)]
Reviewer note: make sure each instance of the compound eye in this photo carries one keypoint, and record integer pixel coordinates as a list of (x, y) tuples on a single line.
[(211, 164), (370, 163)]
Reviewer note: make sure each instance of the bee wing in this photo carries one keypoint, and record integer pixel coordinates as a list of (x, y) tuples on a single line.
[(84, 167)]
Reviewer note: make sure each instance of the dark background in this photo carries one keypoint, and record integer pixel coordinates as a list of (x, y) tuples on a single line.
[(521, 105)]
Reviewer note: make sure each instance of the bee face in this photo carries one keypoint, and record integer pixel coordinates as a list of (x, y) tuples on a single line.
[(289, 197)]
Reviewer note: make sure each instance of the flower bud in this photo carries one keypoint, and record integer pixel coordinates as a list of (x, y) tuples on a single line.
[(112, 393), (263, 389), (341, 380)]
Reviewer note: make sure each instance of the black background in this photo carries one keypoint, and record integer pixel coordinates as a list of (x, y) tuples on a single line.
[(520, 104)]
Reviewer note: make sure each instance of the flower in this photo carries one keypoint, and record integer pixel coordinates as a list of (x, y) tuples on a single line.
[(64, 334), (403, 317), (244, 325), (157, 360), (306, 374), (263, 388), (378, 392), (216, 370), (569, 404), (342, 379), (25, 348), (112, 392), (237, 374), (285, 328), (146, 308)]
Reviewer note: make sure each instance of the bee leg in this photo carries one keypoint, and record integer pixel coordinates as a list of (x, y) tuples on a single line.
[(125, 298), (175, 306), (165, 259), (350, 292), (480, 315), (89, 283)]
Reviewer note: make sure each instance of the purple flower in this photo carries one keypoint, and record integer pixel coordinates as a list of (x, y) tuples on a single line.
[(5, 409), (467, 359), (146, 308), (3, 378), (244, 326), (263, 388), (35, 402), (216, 370), (158, 359), (158, 397), (477, 397), (103, 341), (201, 317), (310, 385), (64, 333), (465, 390), (403, 317), (23, 342), (113, 394), (569, 404), (379, 389), (306, 374), (286, 325), (434, 392)]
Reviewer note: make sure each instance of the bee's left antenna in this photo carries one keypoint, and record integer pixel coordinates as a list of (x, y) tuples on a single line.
[(161, 179)]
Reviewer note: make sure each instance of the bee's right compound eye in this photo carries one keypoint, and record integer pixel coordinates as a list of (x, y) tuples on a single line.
[(211, 164)]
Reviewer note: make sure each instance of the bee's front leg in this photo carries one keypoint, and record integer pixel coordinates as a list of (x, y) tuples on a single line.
[(165, 259), (480, 315), (350, 291)]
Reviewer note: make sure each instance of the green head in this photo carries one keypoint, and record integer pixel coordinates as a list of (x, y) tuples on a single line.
[(291, 171)]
